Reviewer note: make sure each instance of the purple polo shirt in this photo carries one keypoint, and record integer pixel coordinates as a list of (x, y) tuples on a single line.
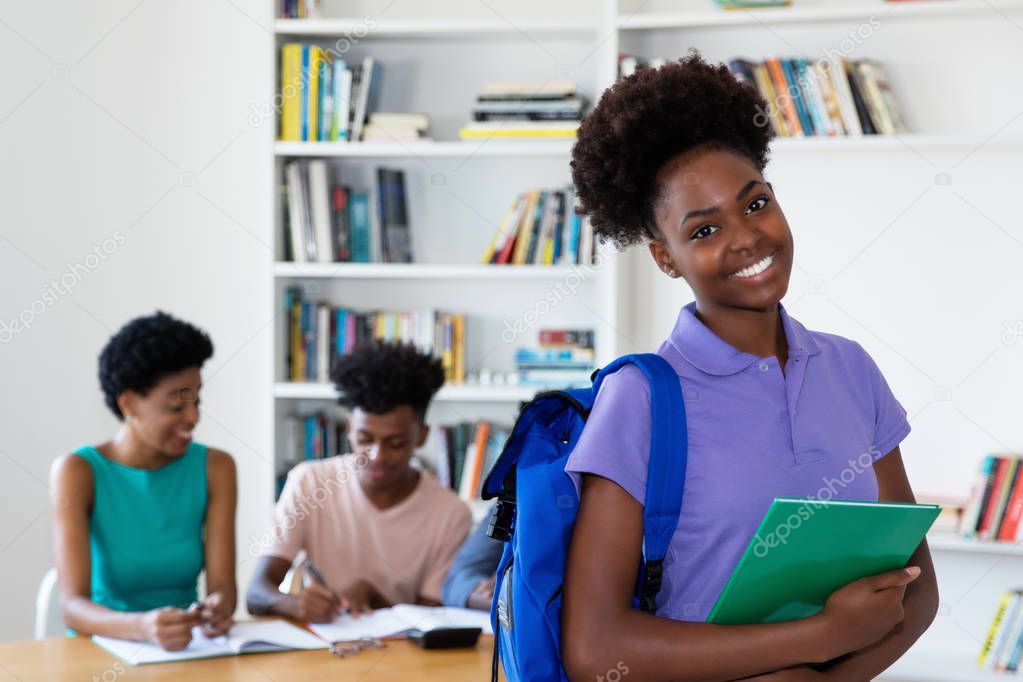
[(754, 434)]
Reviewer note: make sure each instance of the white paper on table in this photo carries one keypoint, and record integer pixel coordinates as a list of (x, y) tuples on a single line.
[(399, 620), (246, 637)]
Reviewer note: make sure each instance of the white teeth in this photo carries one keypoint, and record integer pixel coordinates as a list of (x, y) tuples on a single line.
[(756, 268)]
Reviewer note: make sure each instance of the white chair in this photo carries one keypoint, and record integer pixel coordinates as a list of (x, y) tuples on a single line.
[(49, 619)]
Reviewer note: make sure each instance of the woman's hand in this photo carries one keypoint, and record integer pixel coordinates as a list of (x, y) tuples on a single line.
[(170, 628), (216, 615), (362, 597), (865, 610)]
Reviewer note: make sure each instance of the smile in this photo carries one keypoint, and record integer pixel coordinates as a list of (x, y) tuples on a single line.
[(756, 268)]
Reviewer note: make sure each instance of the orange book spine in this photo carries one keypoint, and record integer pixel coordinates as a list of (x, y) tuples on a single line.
[(784, 96)]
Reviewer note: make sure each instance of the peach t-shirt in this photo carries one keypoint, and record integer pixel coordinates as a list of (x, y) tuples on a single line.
[(405, 551)]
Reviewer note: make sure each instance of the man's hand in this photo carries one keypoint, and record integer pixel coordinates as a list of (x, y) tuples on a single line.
[(317, 604), (482, 596), (362, 597)]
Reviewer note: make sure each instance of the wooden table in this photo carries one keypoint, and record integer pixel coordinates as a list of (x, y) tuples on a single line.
[(77, 658)]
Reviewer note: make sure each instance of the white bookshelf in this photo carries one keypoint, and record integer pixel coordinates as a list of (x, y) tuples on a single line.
[(420, 46), (457, 193)]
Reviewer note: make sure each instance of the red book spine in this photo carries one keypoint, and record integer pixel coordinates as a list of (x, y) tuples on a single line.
[(1014, 511), (992, 503)]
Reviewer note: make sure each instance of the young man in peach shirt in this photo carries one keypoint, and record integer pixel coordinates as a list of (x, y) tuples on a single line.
[(379, 531)]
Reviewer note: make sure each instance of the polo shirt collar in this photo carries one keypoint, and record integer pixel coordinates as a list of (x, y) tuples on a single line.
[(706, 351)]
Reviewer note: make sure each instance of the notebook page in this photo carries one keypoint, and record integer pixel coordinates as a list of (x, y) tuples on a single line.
[(140, 653), (271, 635)]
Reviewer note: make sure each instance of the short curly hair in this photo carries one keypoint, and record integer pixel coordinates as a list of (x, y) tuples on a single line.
[(649, 118), (147, 349), (379, 376)]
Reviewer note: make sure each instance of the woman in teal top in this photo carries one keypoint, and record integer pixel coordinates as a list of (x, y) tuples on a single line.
[(139, 517)]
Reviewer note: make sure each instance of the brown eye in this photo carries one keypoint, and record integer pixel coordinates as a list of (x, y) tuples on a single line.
[(758, 204)]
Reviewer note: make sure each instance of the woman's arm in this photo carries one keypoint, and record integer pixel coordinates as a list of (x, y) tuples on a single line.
[(920, 603), (600, 629), (221, 588), (71, 484)]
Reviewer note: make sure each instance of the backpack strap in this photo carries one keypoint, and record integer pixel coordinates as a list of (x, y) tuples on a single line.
[(666, 472)]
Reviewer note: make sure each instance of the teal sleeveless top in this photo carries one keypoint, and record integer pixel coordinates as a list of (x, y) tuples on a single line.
[(146, 531)]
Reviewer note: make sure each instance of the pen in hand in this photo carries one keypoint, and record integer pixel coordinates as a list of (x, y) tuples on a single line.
[(317, 603)]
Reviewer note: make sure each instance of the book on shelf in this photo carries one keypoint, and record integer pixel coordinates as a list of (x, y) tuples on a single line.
[(327, 221), (822, 98), (465, 452), (319, 333), (995, 507), (526, 110), (1003, 645), (298, 9), (541, 227), (812, 98), (324, 98), (565, 358), (312, 436), (392, 127)]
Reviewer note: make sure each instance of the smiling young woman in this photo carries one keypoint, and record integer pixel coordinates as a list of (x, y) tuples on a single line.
[(139, 517), (673, 158)]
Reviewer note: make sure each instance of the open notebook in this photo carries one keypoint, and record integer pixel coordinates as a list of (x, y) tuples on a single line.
[(397, 621), (244, 638)]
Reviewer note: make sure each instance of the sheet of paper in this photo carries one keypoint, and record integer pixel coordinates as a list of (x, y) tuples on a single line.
[(380, 623)]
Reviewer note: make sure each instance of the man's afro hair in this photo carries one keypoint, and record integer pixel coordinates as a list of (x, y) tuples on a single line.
[(649, 118), (380, 376)]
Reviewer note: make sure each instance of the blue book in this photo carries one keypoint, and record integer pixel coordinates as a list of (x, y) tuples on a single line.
[(574, 243), (358, 205), (342, 320), (326, 97), (341, 84), (820, 120), (303, 115), (797, 97)]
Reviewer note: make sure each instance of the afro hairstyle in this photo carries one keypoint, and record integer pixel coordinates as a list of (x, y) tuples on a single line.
[(648, 119), (379, 376), (147, 349)]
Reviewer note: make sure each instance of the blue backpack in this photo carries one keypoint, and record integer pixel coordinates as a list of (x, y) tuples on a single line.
[(537, 507)]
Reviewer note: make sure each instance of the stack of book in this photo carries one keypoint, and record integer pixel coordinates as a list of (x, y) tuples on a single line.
[(526, 110), (822, 98), (319, 333), (565, 359), (996, 501), (465, 453), (541, 227), (314, 436), (325, 221), (1003, 646), (323, 98), (395, 127), (298, 9)]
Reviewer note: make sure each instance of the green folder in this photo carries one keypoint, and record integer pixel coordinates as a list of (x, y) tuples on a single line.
[(805, 549)]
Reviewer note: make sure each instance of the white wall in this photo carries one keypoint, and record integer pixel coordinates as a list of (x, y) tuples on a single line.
[(128, 118)]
